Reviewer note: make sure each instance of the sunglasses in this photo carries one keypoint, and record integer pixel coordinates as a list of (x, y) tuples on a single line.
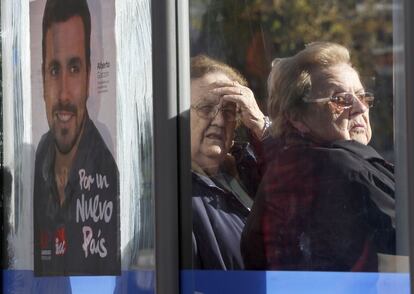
[(345, 100)]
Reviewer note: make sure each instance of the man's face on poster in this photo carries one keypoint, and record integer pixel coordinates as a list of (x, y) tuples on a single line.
[(66, 81)]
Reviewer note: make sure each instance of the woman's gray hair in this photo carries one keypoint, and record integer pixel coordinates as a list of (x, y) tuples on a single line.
[(203, 64), (289, 81)]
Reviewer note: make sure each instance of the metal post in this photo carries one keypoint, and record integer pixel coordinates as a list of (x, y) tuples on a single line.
[(409, 111), (164, 60)]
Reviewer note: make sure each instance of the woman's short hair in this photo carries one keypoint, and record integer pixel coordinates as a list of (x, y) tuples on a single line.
[(289, 81), (202, 65)]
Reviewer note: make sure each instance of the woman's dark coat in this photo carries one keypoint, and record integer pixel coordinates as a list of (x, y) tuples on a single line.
[(322, 207)]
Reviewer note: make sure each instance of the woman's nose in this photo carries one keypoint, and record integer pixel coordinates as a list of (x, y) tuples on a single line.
[(358, 106), (219, 118)]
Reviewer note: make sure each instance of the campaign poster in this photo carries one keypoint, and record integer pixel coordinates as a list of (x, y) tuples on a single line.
[(76, 222)]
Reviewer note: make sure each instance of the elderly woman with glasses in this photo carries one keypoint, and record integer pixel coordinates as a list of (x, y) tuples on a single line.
[(224, 174), (326, 200)]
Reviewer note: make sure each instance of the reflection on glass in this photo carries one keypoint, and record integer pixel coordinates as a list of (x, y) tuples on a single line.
[(326, 194), (135, 108), (249, 35)]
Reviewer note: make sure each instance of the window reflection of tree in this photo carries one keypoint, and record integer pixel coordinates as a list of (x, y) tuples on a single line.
[(249, 34)]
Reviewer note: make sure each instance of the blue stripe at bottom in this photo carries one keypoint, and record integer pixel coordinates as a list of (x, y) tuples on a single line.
[(262, 282), (212, 282), (23, 282)]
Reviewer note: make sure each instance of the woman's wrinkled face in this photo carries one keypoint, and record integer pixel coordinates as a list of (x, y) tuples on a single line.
[(211, 139), (326, 121)]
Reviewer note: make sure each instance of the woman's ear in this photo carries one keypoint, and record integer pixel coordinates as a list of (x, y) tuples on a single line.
[(298, 123)]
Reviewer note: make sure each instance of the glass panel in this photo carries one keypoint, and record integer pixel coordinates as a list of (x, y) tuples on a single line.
[(293, 158), (135, 108), (77, 151)]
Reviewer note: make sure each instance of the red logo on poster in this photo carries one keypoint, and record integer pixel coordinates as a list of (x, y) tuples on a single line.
[(44, 240), (60, 241)]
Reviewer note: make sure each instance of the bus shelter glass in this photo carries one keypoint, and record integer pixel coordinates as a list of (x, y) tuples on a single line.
[(292, 147)]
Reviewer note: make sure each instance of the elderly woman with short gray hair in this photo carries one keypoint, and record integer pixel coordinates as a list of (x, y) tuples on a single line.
[(225, 174), (326, 201)]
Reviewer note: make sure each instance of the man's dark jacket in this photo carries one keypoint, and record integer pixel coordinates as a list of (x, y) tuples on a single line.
[(81, 236)]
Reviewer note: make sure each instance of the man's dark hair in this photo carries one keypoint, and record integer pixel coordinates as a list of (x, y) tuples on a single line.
[(62, 10)]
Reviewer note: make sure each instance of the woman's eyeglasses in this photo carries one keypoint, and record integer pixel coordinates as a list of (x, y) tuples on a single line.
[(345, 100), (209, 111)]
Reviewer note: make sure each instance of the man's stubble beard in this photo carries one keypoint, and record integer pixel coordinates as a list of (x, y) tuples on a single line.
[(67, 148)]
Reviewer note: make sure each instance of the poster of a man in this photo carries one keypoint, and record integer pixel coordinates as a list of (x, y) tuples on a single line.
[(76, 180)]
